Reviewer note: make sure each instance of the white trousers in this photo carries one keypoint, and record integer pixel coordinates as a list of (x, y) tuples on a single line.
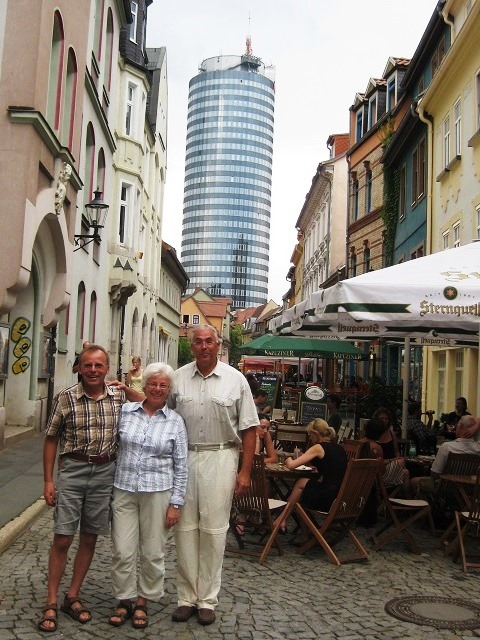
[(138, 526), (201, 533)]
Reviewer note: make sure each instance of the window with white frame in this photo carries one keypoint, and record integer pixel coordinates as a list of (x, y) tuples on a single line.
[(125, 212), (442, 370), (133, 24), (446, 141), (457, 119), (355, 199), (391, 93), (130, 109), (458, 373), (196, 319), (368, 192), (446, 239), (456, 234), (372, 111), (359, 125)]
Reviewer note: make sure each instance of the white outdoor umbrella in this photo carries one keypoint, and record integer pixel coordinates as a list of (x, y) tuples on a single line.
[(433, 301)]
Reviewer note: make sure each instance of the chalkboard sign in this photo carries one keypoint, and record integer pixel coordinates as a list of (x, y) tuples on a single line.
[(312, 404), (311, 410), (271, 384)]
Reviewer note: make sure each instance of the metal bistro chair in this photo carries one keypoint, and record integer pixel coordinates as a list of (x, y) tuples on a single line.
[(340, 520), (256, 507), (467, 520)]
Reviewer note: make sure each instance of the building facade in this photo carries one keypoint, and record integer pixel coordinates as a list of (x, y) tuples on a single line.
[(228, 178), (322, 220), (451, 109)]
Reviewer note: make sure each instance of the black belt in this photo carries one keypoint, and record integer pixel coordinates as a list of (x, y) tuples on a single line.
[(84, 457)]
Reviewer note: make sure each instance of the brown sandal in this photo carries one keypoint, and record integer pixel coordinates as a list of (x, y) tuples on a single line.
[(140, 622), (123, 612), (51, 606), (75, 613)]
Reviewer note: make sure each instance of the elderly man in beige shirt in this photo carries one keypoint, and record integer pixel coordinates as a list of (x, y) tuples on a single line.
[(215, 401)]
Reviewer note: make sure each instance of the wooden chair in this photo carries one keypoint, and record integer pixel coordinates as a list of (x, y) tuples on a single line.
[(340, 520), (413, 510), (352, 448), (466, 520), (446, 499), (256, 507)]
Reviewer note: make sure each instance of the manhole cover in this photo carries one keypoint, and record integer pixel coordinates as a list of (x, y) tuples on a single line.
[(435, 611)]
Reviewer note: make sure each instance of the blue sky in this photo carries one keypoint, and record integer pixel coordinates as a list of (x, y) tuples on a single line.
[(324, 53)]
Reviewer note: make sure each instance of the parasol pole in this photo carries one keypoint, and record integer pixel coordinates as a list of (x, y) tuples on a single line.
[(406, 381)]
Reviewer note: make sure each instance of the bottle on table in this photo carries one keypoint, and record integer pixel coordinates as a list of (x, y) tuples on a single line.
[(296, 452), (412, 452)]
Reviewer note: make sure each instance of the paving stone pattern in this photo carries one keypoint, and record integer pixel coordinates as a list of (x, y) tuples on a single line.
[(289, 598)]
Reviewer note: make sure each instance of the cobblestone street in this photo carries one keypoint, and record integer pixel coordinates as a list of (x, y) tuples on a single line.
[(290, 597)]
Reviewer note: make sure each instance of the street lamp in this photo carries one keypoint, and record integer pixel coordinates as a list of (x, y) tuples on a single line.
[(96, 214)]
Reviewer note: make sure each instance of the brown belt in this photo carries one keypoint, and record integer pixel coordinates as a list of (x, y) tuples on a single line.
[(84, 457)]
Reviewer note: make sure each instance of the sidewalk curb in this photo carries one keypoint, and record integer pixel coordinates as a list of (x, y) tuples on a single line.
[(14, 529)]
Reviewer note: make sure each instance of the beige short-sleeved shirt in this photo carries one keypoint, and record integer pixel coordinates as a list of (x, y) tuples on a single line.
[(216, 408)]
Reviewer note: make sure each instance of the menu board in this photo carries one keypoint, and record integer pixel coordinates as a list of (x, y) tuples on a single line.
[(312, 405), (271, 384)]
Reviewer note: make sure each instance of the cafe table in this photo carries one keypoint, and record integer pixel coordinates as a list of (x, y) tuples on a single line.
[(280, 477)]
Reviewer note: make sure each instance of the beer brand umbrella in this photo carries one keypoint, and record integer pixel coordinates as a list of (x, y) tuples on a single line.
[(435, 300)]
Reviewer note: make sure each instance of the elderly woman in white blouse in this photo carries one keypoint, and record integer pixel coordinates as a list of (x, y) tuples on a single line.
[(148, 495)]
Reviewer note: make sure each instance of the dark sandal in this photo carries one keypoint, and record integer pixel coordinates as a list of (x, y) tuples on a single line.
[(75, 613), (123, 612), (140, 622), (52, 606)]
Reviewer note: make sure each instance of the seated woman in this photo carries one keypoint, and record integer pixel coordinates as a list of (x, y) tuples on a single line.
[(395, 473), (452, 419), (373, 431), (148, 495), (264, 443), (330, 461)]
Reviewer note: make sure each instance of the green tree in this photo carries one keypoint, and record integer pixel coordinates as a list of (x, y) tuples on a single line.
[(185, 354), (236, 331)]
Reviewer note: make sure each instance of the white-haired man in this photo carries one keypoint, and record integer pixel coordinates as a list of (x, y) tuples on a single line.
[(215, 401), (464, 443)]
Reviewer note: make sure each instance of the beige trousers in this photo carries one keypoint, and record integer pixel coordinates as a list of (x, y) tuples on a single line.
[(201, 533), (138, 526)]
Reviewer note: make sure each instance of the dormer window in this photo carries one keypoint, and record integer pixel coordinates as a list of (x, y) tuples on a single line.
[(372, 111), (359, 125), (391, 93)]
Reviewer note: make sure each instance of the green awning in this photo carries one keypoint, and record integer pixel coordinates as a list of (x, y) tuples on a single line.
[(288, 347)]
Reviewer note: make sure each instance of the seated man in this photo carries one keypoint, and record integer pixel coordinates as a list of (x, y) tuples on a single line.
[(333, 408), (426, 487), (422, 434), (260, 399), (452, 418)]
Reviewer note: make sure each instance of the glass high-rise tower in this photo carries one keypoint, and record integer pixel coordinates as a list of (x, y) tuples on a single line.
[(228, 171)]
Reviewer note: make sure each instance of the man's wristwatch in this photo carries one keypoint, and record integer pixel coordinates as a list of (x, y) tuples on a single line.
[(175, 506)]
